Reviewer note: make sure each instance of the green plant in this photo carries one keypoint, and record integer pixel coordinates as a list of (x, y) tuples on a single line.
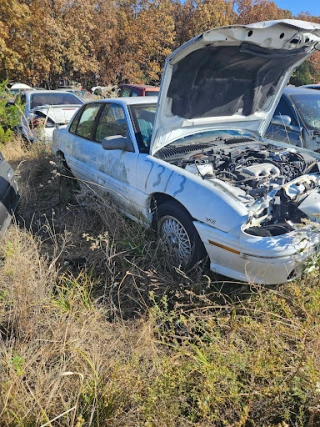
[(9, 115)]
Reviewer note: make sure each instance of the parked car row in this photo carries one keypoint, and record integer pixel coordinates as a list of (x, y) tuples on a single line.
[(44, 110)]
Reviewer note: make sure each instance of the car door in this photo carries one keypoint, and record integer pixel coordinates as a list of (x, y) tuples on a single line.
[(117, 169), (290, 133), (80, 150)]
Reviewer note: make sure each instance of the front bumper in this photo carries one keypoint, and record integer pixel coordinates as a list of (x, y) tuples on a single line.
[(262, 260)]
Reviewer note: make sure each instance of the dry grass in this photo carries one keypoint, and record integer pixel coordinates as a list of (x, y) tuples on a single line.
[(96, 330)]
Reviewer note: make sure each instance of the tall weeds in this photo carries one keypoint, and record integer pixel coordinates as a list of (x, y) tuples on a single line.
[(96, 330)]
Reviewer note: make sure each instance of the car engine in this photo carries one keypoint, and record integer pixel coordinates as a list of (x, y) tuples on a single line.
[(279, 186)]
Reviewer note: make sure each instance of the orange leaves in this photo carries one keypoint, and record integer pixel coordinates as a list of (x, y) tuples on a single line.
[(111, 41), (259, 10)]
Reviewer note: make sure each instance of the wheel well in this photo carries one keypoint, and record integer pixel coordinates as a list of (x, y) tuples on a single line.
[(60, 155), (158, 199)]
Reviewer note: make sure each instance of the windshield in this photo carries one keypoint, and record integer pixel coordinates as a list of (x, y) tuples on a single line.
[(308, 107), (144, 115), (39, 99)]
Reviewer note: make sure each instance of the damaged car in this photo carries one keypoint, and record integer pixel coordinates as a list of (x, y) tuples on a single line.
[(43, 111), (296, 119), (194, 163), (9, 194)]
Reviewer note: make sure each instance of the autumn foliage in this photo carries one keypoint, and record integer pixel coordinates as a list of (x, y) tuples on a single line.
[(47, 42)]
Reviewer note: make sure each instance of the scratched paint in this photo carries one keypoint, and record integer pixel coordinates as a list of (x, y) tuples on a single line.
[(113, 167)]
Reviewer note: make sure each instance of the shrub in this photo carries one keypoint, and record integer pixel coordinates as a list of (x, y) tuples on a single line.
[(9, 116)]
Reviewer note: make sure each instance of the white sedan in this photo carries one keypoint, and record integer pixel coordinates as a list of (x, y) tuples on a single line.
[(194, 163), (43, 111)]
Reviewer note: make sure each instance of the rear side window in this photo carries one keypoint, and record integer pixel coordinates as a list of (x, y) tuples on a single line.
[(87, 121)]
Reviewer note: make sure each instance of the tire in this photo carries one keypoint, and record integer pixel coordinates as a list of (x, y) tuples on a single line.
[(181, 239)]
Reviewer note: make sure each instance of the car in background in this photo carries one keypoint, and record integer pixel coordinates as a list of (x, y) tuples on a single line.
[(9, 194), (109, 91), (312, 86), (193, 163), (14, 89), (43, 111), (84, 94), (128, 90), (296, 119)]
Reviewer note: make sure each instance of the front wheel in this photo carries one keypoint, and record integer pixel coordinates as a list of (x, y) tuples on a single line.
[(181, 239)]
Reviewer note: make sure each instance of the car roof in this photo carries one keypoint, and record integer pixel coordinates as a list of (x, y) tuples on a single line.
[(140, 86), (19, 86), (132, 100), (44, 91), (300, 90), (317, 85), (28, 93)]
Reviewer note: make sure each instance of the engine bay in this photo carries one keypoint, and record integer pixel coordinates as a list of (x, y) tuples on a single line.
[(280, 186)]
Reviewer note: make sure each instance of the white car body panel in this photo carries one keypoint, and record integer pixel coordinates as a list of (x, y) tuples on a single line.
[(255, 185)]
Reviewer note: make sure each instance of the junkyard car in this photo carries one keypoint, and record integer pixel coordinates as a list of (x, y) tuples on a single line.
[(296, 119), (16, 88), (194, 163), (84, 94), (44, 110), (9, 194), (127, 90)]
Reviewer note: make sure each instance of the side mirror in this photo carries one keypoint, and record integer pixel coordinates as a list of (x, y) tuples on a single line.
[(117, 142), (281, 120)]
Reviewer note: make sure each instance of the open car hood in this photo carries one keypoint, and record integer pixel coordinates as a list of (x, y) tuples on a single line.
[(230, 77)]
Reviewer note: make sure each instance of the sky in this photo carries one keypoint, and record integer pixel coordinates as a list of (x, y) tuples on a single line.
[(297, 6)]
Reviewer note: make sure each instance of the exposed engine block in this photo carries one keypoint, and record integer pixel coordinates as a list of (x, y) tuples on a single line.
[(272, 182)]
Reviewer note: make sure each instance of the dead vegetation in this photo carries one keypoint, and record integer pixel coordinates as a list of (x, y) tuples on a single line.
[(97, 330)]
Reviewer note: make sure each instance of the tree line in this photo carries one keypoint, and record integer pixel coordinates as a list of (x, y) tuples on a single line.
[(50, 42)]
